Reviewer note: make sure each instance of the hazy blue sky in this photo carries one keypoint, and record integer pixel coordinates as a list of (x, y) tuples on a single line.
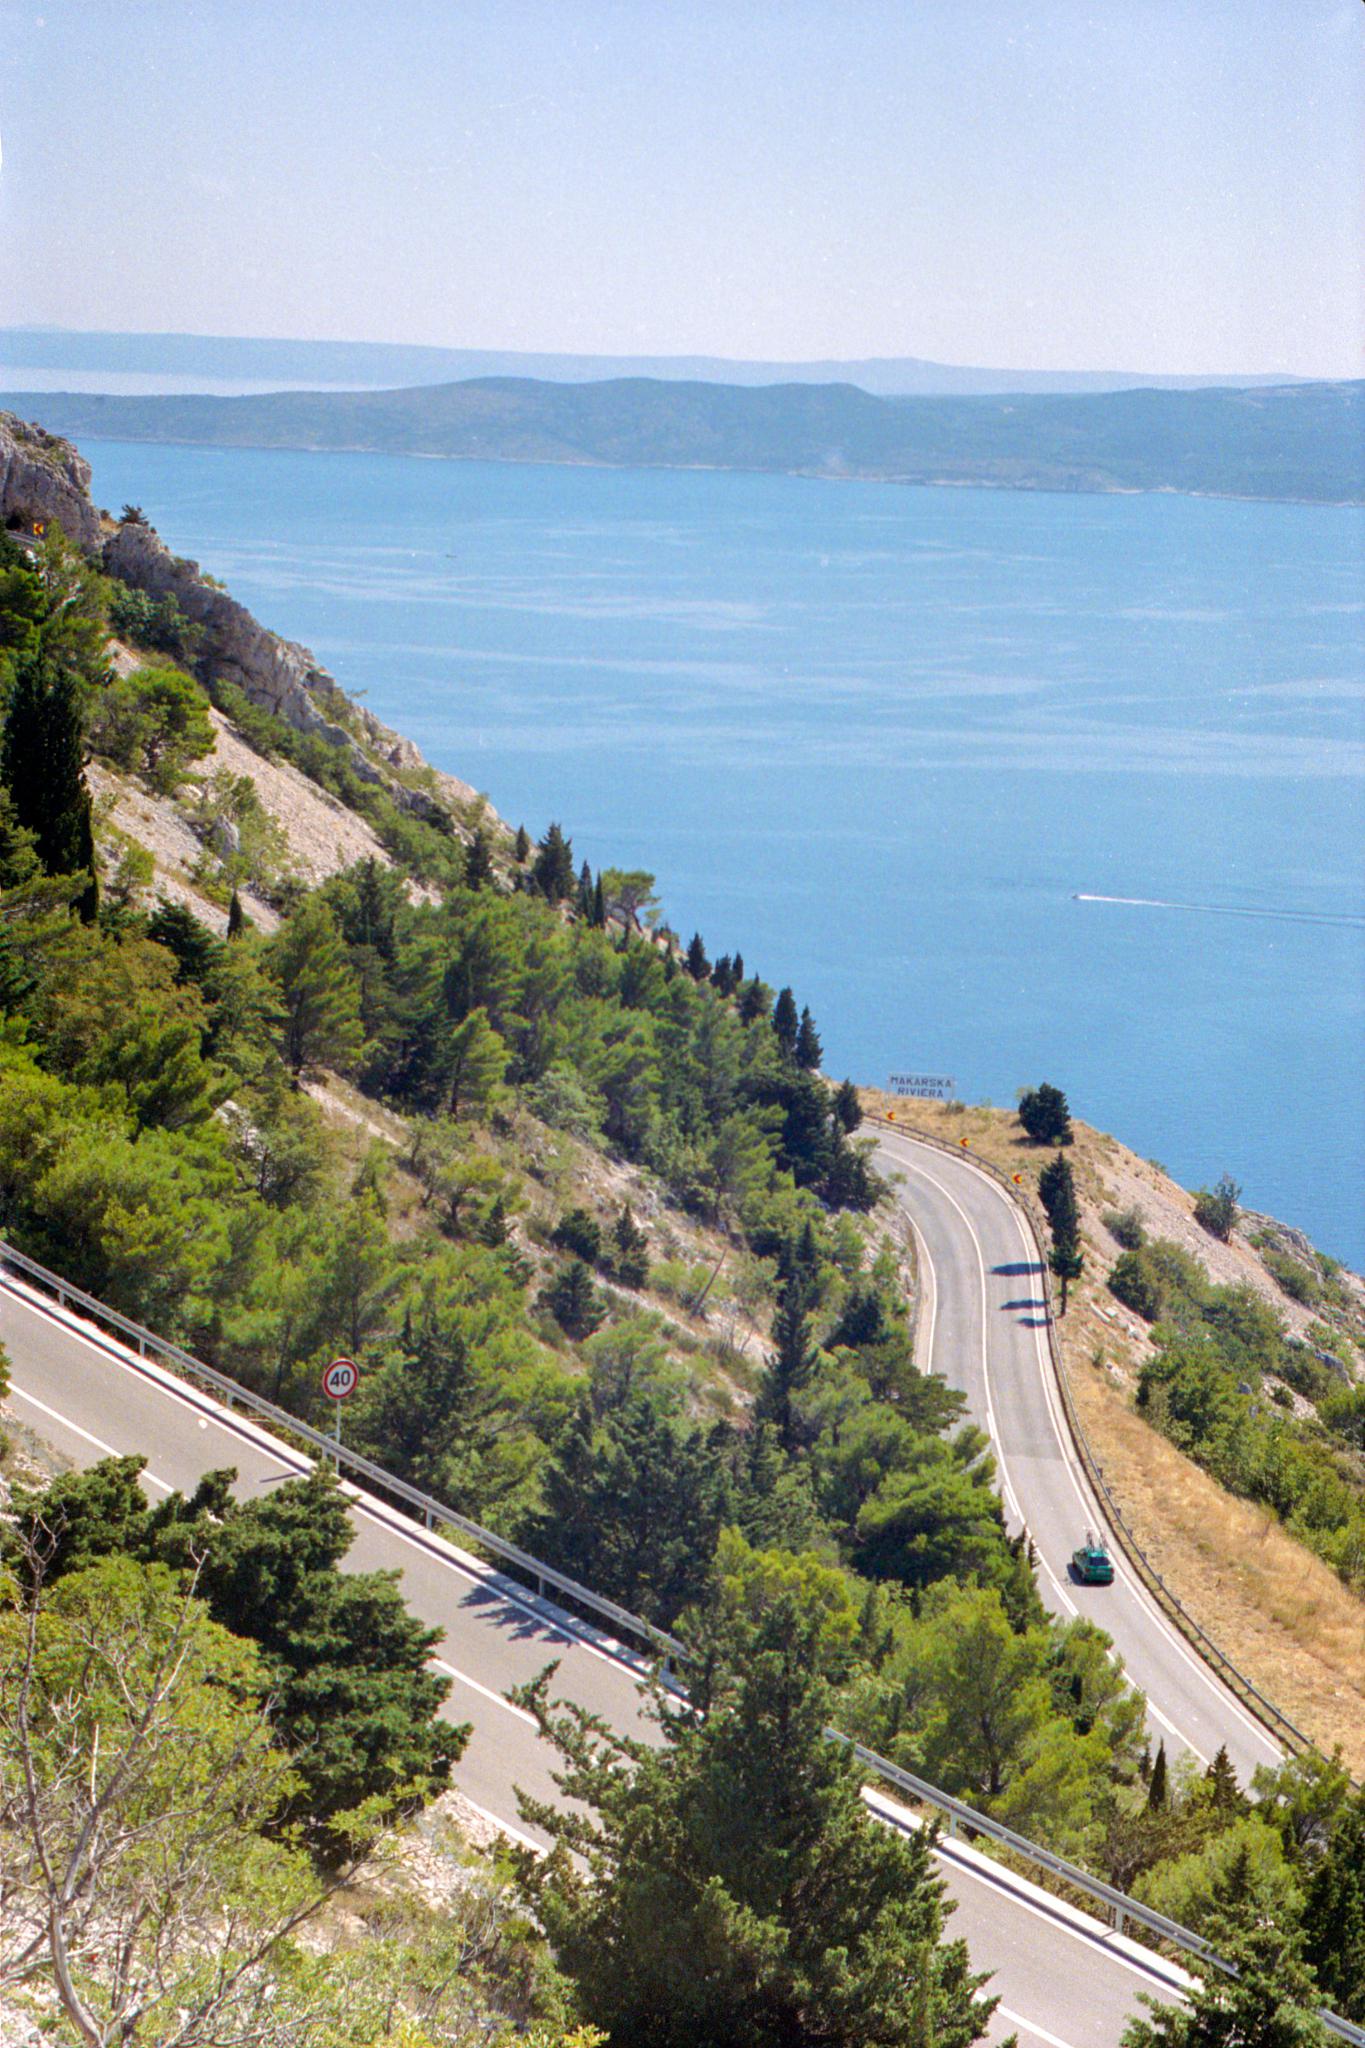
[(1159, 185)]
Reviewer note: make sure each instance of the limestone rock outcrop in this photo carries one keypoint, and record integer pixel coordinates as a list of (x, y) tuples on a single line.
[(42, 479)]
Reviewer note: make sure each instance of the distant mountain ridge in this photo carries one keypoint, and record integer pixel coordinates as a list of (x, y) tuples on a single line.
[(379, 365), (1301, 442)]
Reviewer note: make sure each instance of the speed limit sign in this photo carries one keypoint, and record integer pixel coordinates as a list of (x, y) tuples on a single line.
[(341, 1378)]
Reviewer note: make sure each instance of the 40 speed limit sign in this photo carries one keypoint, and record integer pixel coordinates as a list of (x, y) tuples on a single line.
[(341, 1378)]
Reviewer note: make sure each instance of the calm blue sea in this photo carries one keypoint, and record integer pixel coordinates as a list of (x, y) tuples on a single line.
[(880, 740)]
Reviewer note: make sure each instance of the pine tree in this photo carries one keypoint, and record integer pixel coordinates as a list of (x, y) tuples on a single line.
[(320, 989), (1044, 1114), (42, 767), (809, 1051), (785, 1021), (698, 966), (1270, 2003), (739, 1892), (476, 1061)]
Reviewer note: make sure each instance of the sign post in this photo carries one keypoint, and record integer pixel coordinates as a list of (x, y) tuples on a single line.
[(340, 1380)]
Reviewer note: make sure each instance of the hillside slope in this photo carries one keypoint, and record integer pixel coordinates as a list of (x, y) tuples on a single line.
[(1282, 1613), (1304, 442)]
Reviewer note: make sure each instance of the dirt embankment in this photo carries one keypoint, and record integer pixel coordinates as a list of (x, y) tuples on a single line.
[(1279, 1612)]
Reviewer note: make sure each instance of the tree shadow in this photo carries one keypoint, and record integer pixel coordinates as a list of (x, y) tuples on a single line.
[(1017, 1272), (1028, 1301)]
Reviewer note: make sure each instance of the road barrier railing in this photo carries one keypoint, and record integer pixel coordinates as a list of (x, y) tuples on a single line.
[(433, 1513), (1122, 1910), (1237, 1682)]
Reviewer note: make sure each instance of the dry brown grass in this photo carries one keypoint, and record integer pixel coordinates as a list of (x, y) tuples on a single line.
[(1279, 1612)]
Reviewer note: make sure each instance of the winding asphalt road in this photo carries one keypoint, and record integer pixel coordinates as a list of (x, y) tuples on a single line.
[(1065, 1980), (985, 1322)]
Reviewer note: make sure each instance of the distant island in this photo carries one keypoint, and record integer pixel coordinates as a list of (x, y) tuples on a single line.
[(256, 362), (1302, 442)]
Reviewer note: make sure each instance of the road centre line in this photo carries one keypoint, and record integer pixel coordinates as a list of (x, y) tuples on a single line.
[(1088, 1508), (1222, 1693), (499, 1699)]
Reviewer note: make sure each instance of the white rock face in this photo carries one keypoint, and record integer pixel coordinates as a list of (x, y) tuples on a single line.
[(42, 478)]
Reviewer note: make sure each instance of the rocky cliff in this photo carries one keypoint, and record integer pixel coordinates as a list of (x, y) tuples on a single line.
[(43, 479)]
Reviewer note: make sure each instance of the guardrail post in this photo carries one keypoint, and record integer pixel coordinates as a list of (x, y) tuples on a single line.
[(1120, 1920)]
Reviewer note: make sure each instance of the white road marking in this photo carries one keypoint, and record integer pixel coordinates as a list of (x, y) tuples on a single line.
[(498, 1699), (97, 1443), (1016, 2019), (246, 1431), (504, 1827)]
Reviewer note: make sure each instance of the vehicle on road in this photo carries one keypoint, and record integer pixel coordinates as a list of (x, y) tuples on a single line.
[(1092, 1564)]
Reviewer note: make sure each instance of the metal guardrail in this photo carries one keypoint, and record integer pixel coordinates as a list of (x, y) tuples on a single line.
[(1237, 1682), (1123, 1908), (433, 1513)]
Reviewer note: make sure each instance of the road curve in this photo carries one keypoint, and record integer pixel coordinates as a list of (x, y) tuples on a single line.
[(985, 1324), (1064, 1979)]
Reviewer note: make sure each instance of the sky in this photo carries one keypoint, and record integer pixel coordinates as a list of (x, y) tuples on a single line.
[(1151, 185)]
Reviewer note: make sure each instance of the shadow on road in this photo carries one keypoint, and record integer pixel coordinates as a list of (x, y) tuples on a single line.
[(1020, 1272)]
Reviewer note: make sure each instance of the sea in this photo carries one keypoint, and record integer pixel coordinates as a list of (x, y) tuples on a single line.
[(1008, 786)]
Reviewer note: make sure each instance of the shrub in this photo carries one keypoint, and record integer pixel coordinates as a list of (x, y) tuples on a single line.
[(1298, 1281), (1126, 1227), (1215, 1209), (1134, 1284)]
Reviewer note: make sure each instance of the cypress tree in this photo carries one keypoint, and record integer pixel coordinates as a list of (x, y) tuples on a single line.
[(585, 893), (236, 917), (598, 917), (737, 971), (753, 1001), (1334, 1915), (1157, 1792), (478, 860), (785, 1021), (553, 872), (698, 966), (848, 1111), (42, 767), (789, 1367), (809, 1051), (1057, 1192), (523, 845)]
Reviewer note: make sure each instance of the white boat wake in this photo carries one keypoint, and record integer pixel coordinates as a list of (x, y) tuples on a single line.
[(1345, 918)]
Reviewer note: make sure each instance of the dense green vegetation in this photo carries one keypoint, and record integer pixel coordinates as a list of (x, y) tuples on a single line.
[(1223, 1382), (154, 1889), (737, 1891), (822, 1524)]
